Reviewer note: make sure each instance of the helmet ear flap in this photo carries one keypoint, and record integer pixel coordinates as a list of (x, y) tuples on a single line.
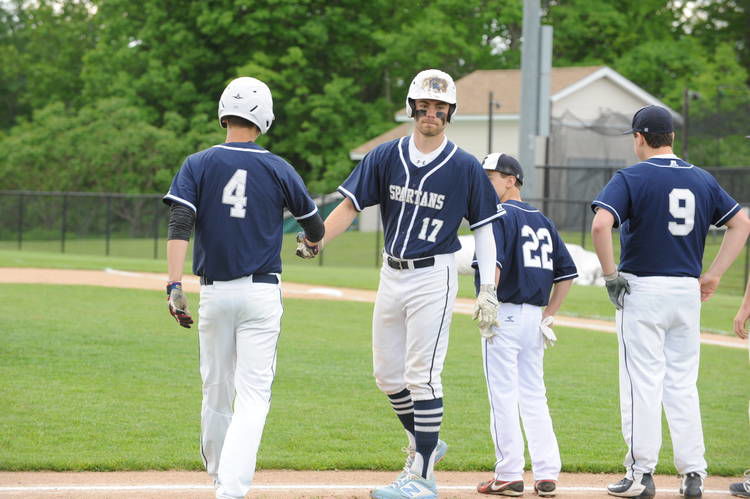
[(451, 110), (412, 110)]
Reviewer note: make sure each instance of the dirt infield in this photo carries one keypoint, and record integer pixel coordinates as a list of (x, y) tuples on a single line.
[(296, 484), (144, 280)]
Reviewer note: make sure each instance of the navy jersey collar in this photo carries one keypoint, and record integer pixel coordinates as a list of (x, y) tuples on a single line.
[(520, 204), (438, 159)]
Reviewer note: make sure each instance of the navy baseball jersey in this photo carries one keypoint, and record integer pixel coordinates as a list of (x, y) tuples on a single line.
[(531, 255), (664, 207), (238, 192), (422, 207)]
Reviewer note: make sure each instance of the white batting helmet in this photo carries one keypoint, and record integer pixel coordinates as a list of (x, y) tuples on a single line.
[(432, 84), (248, 98)]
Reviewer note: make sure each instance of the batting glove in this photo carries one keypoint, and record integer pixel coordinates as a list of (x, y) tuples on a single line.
[(547, 333), (178, 304), (488, 333), (485, 309), (617, 286), (304, 248)]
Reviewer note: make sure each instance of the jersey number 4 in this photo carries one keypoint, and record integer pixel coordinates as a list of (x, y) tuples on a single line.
[(234, 194), (681, 206), (533, 255)]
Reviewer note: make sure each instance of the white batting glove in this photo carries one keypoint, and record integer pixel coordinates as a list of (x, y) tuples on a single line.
[(488, 333), (547, 333), (485, 309)]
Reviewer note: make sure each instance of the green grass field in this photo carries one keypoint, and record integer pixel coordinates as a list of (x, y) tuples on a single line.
[(103, 379), (583, 301)]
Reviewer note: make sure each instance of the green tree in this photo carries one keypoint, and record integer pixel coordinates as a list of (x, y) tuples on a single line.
[(41, 50)]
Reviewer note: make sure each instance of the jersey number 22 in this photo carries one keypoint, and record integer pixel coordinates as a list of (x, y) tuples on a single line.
[(234, 194), (531, 245)]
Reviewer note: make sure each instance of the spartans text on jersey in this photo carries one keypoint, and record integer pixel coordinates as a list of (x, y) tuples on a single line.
[(419, 198)]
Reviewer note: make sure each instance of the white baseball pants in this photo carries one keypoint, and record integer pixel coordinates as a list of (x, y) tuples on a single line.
[(410, 324), (659, 343), (239, 329), (514, 369)]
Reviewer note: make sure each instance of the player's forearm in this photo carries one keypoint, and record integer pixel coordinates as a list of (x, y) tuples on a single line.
[(601, 235), (559, 292), (484, 244), (731, 246), (339, 220), (176, 252)]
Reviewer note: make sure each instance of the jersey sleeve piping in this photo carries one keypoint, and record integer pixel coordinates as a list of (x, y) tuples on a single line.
[(307, 215), (565, 277), (487, 220), (350, 196), (608, 208), (734, 210), (172, 197)]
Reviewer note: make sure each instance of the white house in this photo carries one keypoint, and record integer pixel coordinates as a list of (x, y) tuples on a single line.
[(589, 108)]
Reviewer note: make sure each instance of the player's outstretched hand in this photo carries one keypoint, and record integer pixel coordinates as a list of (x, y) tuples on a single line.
[(740, 321), (306, 249), (708, 284), (178, 304), (548, 335), (485, 309), (617, 287)]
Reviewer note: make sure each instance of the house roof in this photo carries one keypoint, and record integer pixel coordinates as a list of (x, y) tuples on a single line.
[(473, 89), (473, 94)]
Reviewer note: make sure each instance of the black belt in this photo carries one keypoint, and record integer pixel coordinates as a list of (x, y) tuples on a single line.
[(265, 278), (404, 264)]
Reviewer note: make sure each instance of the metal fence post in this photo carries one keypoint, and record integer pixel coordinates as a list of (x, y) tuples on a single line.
[(156, 228), (108, 225), (322, 205), (20, 220), (583, 225), (64, 222)]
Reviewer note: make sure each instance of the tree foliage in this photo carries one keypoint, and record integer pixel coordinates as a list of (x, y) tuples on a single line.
[(111, 95)]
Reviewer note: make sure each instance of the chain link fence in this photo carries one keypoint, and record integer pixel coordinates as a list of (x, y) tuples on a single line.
[(125, 225)]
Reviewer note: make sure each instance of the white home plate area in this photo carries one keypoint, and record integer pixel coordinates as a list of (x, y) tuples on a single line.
[(298, 484)]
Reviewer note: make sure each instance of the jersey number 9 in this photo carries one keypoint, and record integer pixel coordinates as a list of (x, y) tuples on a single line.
[(681, 206)]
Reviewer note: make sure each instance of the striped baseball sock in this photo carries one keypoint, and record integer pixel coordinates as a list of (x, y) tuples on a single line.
[(404, 408), (428, 414)]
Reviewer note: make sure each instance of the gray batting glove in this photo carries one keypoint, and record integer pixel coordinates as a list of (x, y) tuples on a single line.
[(485, 309), (178, 306), (617, 286), (488, 333)]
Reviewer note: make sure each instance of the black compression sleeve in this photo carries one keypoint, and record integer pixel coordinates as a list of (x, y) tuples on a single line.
[(181, 219), (313, 227)]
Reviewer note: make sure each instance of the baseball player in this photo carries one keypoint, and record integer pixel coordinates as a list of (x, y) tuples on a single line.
[(663, 207), (425, 185), (532, 258), (742, 489), (235, 194)]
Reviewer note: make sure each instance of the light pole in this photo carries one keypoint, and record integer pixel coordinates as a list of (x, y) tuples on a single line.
[(491, 105)]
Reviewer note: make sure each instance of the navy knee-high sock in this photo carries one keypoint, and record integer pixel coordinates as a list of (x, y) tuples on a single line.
[(404, 409), (428, 415)]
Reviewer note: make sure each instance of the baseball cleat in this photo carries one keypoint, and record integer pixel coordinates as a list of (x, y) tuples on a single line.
[(691, 486), (409, 487), (501, 488), (741, 489), (642, 486), (440, 450), (545, 488)]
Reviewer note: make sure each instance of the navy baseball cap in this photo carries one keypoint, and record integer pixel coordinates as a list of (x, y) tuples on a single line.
[(504, 163), (652, 119)]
